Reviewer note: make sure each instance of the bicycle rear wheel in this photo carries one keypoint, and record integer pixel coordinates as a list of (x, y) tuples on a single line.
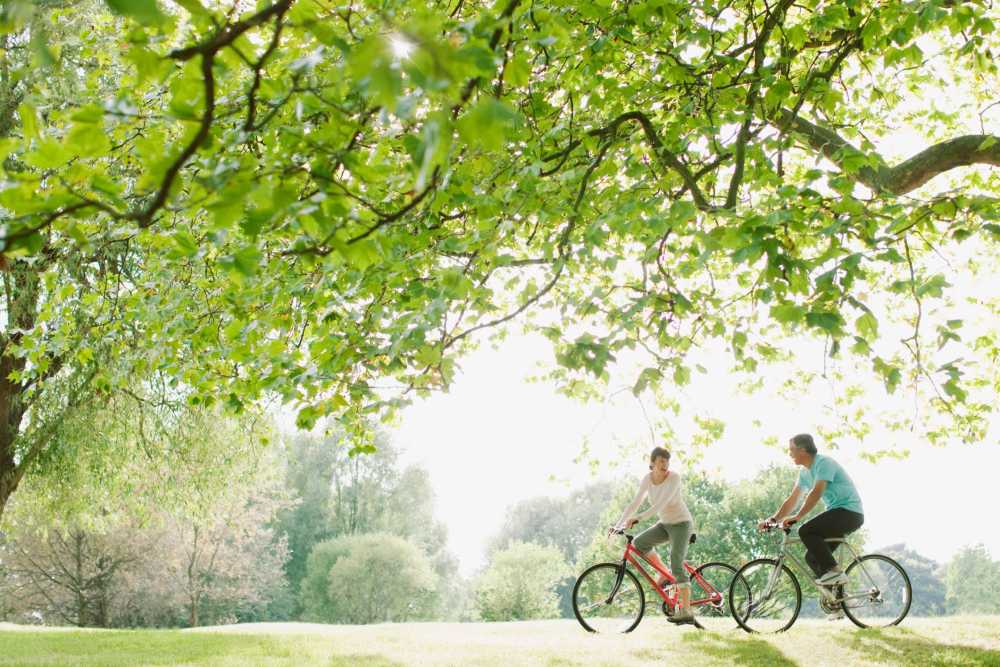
[(607, 599), (764, 597), (877, 593), (710, 596)]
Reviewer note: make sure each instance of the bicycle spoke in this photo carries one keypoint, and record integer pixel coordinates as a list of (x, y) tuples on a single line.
[(709, 596), (765, 597), (597, 609), (878, 592)]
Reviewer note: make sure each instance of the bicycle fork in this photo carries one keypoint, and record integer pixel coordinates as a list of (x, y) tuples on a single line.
[(618, 583)]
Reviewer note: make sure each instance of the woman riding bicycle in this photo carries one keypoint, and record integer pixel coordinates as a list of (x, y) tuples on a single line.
[(663, 488)]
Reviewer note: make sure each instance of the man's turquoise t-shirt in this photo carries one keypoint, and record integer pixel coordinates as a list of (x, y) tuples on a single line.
[(839, 492)]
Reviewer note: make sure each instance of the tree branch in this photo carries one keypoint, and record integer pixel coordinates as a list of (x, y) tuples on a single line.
[(907, 175)]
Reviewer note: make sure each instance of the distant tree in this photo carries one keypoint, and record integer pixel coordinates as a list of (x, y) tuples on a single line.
[(70, 575), (929, 591), (565, 523), (229, 562), (727, 526), (520, 583), (309, 465), (367, 579), (340, 493), (972, 579), (178, 536)]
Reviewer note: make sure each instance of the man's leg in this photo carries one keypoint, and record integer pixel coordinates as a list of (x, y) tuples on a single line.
[(814, 533)]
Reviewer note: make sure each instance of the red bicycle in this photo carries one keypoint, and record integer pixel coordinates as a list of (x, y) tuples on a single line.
[(608, 598)]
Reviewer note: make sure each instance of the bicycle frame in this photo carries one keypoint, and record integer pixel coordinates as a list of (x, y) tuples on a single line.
[(804, 572), (633, 556)]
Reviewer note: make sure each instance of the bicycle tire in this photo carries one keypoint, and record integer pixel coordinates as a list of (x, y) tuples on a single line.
[(707, 615), (854, 612), (748, 580), (598, 577)]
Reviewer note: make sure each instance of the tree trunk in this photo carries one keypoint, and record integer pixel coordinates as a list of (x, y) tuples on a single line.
[(81, 599), (10, 420), (193, 611), (21, 285)]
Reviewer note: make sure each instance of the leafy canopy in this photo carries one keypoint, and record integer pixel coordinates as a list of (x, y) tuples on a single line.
[(324, 201)]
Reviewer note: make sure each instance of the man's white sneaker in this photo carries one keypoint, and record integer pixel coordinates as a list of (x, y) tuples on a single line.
[(832, 578), (835, 615)]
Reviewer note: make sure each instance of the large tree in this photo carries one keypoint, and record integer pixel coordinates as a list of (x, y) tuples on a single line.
[(328, 202)]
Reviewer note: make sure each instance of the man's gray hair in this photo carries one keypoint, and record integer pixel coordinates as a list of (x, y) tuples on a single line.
[(805, 442)]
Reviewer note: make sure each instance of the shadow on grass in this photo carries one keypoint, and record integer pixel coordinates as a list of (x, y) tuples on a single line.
[(738, 649), (898, 646), (131, 649)]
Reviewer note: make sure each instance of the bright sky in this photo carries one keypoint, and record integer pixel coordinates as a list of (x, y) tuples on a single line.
[(496, 438)]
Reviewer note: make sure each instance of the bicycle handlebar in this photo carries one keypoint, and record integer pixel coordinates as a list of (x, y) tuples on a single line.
[(771, 525), (621, 531)]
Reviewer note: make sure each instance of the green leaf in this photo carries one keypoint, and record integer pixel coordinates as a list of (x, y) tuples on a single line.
[(867, 326), (25, 245), (194, 7), (647, 377), (145, 12), (787, 313), (186, 244), (933, 287), (29, 120), (361, 254), (518, 71), (48, 153), (988, 142), (488, 124), (86, 140), (428, 355), (824, 320)]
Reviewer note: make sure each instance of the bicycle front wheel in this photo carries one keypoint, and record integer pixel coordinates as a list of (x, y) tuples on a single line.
[(765, 597), (710, 596), (877, 593), (607, 599)]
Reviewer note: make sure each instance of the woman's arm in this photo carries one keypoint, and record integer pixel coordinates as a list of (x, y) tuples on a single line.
[(634, 505)]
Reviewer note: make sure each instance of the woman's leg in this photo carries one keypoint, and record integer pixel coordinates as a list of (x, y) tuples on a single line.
[(647, 540), (680, 534)]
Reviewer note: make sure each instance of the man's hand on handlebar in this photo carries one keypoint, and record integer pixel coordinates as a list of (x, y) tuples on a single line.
[(771, 523)]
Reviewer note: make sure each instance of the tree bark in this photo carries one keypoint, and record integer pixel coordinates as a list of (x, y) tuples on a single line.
[(21, 288), (907, 175)]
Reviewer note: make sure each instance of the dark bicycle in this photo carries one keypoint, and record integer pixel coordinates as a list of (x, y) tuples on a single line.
[(768, 598)]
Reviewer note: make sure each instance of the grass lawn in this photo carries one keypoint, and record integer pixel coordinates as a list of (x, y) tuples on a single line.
[(918, 643)]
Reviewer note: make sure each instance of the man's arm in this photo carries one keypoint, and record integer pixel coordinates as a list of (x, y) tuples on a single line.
[(786, 507), (810, 502)]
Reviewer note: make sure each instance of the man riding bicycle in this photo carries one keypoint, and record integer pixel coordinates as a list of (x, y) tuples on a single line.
[(820, 478)]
